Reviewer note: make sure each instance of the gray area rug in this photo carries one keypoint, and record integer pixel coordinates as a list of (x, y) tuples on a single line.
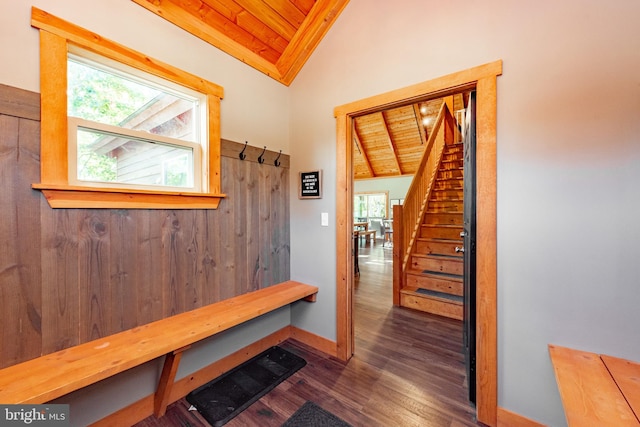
[(312, 415)]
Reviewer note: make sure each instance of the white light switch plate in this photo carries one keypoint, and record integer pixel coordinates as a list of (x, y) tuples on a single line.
[(324, 219)]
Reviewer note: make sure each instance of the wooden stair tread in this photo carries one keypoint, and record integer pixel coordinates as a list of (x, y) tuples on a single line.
[(439, 256), (454, 299), (434, 295), (436, 240), (436, 274), (445, 202), (445, 212)]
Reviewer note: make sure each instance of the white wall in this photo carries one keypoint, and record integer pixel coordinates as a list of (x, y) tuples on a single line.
[(397, 187), (253, 104), (568, 151)]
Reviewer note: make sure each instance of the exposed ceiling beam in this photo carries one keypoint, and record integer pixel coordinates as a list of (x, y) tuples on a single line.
[(356, 140), (392, 146)]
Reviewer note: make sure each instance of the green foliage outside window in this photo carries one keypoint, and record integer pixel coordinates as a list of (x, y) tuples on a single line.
[(370, 205), (102, 97)]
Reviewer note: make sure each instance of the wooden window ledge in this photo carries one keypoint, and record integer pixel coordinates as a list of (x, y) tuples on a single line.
[(66, 196)]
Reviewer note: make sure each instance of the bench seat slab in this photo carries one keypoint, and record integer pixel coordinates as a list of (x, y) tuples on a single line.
[(50, 376), (589, 393)]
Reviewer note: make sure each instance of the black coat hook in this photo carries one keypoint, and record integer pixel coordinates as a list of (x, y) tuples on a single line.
[(260, 158), (242, 155), (276, 161)]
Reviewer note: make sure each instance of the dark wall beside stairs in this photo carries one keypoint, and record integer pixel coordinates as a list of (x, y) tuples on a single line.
[(68, 276)]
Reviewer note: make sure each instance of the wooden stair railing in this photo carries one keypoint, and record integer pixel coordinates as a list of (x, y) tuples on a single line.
[(407, 224)]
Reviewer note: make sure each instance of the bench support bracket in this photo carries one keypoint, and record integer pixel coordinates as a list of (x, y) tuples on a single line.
[(163, 394)]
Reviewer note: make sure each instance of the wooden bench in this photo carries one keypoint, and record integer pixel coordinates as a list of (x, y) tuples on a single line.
[(597, 389), (53, 375)]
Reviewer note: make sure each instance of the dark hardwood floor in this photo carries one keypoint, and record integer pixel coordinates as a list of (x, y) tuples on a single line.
[(408, 367)]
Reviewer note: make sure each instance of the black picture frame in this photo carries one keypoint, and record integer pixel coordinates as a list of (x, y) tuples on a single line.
[(310, 185)]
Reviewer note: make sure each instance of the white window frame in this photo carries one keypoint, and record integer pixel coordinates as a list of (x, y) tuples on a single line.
[(76, 124)]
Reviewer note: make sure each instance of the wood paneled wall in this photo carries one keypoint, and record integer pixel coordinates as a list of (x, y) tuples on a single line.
[(68, 276)]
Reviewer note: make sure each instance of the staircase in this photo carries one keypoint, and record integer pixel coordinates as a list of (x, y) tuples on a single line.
[(433, 278)]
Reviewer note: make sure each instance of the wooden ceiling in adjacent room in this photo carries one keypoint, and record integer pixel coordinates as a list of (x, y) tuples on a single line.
[(275, 37), (390, 143)]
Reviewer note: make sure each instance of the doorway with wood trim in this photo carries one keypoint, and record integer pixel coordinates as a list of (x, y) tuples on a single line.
[(484, 79)]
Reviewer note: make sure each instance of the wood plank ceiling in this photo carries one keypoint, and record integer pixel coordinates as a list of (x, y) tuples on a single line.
[(275, 37), (390, 143)]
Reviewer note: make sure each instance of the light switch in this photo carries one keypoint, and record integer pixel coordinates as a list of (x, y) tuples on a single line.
[(324, 219)]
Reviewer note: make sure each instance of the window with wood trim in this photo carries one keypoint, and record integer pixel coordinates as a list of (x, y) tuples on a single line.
[(370, 205), (122, 130)]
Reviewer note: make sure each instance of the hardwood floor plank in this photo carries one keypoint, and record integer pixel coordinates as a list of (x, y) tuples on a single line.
[(408, 368)]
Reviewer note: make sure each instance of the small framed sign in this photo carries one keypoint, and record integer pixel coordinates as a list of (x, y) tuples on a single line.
[(310, 185)]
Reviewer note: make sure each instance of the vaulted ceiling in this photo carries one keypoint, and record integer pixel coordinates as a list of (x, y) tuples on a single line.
[(275, 37), (390, 143)]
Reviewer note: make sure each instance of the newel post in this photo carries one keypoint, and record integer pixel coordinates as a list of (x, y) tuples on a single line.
[(398, 253)]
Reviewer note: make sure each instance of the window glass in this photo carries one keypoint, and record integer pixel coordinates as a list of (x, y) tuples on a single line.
[(135, 161), (377, 206), (126, 128), (369, 205), (104, 95), (359, 206)]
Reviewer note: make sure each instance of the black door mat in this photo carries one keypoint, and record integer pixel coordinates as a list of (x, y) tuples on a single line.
[(225, 397), (312, 415)]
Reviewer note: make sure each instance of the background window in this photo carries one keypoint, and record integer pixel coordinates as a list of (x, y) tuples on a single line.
[(370, 205)]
